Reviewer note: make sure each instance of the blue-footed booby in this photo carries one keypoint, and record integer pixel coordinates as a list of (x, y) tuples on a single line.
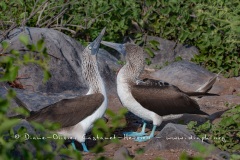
[(76, 116), (151, 100)]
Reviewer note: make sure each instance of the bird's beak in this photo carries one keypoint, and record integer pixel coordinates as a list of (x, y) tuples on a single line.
[(117, 46), (96, 43)]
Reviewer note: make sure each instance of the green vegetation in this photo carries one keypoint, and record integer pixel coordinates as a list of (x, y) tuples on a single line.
[(15, 142), (204, 152), (213, 27), (225, 134), (10, 143), (102, 129)]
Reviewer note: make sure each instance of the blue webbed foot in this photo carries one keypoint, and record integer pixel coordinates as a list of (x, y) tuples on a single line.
[(146, 138), (134, 134), (84, 147), (73, 145), (143, 138)]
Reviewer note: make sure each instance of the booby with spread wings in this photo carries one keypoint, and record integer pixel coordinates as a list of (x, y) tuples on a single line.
[(76, 116), (151, 100)]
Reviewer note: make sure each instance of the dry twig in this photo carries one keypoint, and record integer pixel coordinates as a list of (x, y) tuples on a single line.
[(67, 29), (40, 15), (51, 20), (34, 13)]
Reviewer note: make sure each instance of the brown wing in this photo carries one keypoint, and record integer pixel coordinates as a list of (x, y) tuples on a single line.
[(69, 112), (165, 100), (160, 84)]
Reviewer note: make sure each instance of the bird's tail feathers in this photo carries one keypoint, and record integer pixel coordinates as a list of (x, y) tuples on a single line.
[(216, 115), (208, 85)]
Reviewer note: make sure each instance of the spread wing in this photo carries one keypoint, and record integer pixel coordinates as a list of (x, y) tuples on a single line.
[(164, 99), (69, 112)]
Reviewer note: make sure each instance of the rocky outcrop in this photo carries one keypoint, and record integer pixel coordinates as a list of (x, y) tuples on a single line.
[(34, 101), (121, 154), (64, 64), (186, 75), (176, 136), (169, 50)]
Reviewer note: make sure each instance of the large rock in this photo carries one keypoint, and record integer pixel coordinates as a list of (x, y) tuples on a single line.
[(65, 62), (34, 101), (186, 75), (173, 136), (121, 154), (65, 67), (176, 136), (169, 50)]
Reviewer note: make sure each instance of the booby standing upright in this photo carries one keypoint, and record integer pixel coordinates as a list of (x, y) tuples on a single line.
[(151, 100), (76, 116)]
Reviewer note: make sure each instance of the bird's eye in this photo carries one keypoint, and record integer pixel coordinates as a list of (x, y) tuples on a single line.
[(89, 47)]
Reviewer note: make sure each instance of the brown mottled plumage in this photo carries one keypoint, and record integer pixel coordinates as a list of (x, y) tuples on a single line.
[(157, 96), (165, 100), (68, 112)]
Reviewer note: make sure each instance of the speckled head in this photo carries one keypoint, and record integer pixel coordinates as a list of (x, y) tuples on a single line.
[(132, 52), (94, 46), (89, 64), (134, 57)]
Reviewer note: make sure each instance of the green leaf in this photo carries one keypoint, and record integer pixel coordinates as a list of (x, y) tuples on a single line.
[(21, 2), (236, 72), (23, 15), (237, 29), (10, 74), (24, 39), (123, 111), (26, 58), (191, 124), (4, 103), (149, 51), (6, 125), (235, 157), (40, 44), (178, 58), (46, 76), (102, 124), (3, 5), (110, 113), (15, 53), (22, 111), (11, 93), (38, 126), (5, 45), (31, 47), (148, 61)]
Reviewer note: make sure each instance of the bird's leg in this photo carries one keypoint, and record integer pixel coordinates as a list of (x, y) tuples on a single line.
[(84, 147), (145, 138), (136, 134), (73, 145)]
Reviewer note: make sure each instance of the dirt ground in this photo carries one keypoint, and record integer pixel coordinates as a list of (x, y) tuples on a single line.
[(133, 123)]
